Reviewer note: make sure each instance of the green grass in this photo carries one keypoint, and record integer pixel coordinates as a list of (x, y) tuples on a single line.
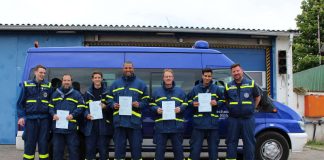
[(315, 145)]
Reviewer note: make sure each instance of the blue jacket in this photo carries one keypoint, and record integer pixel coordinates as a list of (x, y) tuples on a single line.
[(135, 88), (71, 101), (169, 94), (34, 99), (240, 100), (205, 120), (105, 124)]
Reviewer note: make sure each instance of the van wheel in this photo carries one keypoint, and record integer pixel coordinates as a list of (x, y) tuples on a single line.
[(272, 146)]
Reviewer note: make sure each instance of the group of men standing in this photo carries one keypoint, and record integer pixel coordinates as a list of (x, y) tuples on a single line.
[(39, 104)]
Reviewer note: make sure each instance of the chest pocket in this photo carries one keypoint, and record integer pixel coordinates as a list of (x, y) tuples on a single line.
[(232, 93)]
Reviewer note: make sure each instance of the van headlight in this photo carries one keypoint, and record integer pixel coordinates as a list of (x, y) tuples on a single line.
[(301, 125)]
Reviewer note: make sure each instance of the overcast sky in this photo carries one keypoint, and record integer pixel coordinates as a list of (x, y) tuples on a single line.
[(251, 14)]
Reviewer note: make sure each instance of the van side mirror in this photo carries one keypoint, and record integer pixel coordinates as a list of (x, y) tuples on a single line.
[(265, 104)]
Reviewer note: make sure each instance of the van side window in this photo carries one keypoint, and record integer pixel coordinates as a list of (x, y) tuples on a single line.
[(152, 77)]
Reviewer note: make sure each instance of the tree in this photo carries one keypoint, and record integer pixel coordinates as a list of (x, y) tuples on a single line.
[(305, 48)]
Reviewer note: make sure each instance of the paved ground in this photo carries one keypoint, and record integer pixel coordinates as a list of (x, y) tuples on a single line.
[(9, 152)]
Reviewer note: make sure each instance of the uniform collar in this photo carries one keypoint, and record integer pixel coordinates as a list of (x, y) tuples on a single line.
[(61, 91)]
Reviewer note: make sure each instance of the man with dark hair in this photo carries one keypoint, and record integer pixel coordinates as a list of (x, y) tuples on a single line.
[(98, 132), (33, 114), (169, 128), (128, 126), (205, 122), (66, 99), (242, 97)]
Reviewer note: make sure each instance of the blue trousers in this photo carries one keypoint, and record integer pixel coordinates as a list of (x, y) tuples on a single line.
[(241, 127), (71, 140), (135, 139), (160, 139), (96, 142), (197, 139), (36, 132)]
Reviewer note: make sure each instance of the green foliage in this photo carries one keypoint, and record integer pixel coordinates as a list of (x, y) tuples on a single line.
[(306, 43), (315, 143)]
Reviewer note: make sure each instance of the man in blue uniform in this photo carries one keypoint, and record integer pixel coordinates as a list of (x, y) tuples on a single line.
[(66, 99), (242, 97), (205, 122), (128, 126), (169, 128), (33, 114), (98, 132)]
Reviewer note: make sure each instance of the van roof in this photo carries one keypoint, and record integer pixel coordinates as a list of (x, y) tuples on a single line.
[(121, 49), (114, 57)]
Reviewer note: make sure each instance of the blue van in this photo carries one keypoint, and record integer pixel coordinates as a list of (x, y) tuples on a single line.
[(278, 131)]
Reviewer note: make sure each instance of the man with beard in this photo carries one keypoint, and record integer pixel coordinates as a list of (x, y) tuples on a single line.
[(33, 114), (66, 99), (128, 126), (242, 97)]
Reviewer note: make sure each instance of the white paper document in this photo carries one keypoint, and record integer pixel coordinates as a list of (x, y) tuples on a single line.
[(204, 102), (125, 105), (62, 123), (95, 110), (168, 110)]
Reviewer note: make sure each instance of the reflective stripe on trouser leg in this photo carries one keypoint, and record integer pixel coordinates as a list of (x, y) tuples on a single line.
[(43, 138), (30, 138)]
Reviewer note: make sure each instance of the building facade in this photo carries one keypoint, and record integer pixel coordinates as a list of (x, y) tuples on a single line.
[(256, 50)]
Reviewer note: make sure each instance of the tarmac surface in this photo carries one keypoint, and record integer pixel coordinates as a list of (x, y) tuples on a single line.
[(9, 152)]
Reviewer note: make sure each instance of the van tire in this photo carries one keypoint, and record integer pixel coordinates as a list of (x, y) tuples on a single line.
[(271, 146)]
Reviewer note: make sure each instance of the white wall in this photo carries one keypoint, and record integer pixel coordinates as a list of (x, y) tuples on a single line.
[(299, 106), (284, 82)]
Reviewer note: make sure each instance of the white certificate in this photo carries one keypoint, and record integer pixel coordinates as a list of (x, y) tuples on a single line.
[(204, 102), (62, 123), (168, 110), (95, 110), (125, 105)]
